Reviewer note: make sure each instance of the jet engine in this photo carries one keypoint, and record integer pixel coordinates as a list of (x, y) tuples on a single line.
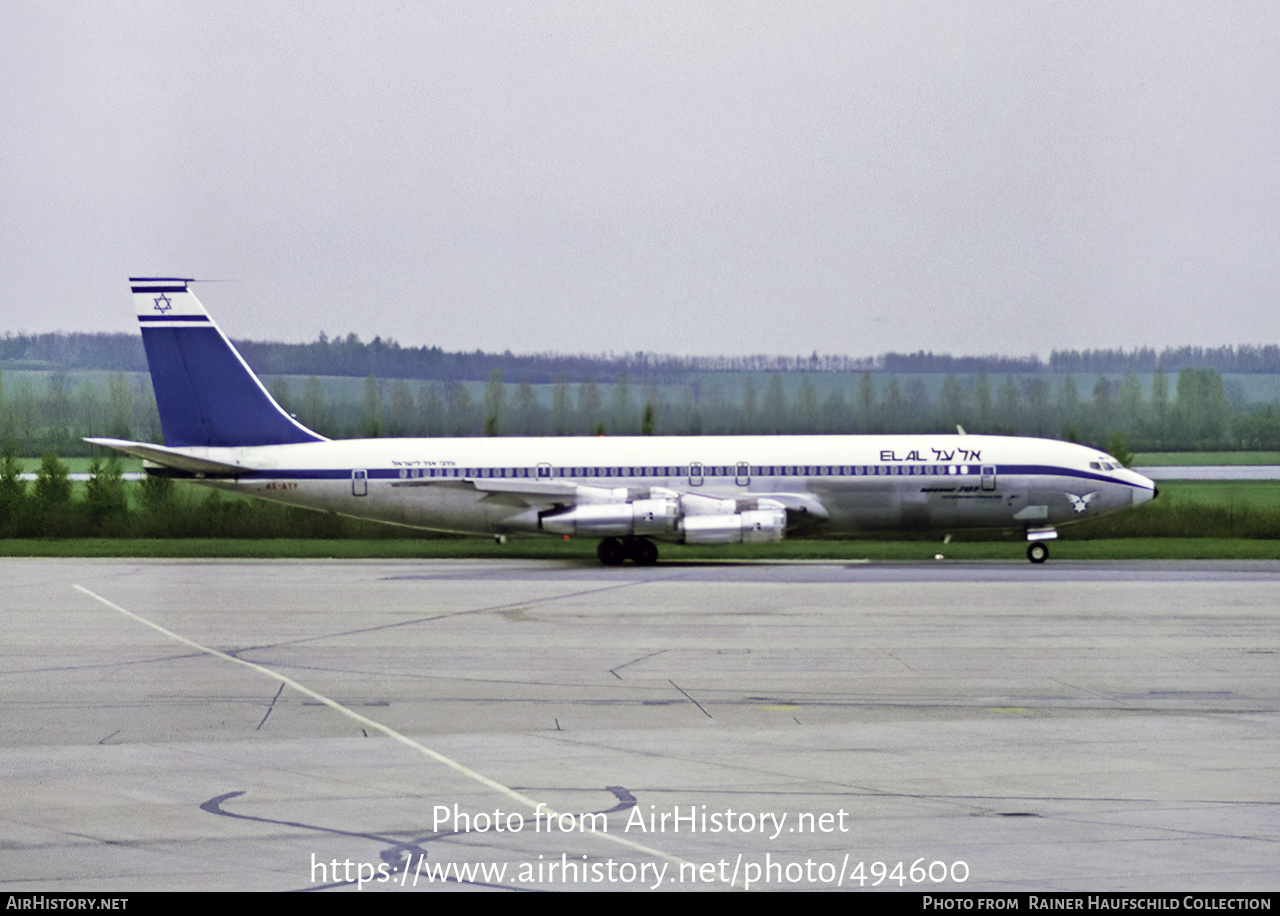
[(755, 526), (653, 517), (691, 518)]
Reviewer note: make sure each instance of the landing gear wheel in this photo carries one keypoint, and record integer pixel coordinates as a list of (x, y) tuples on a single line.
[(1037, 552), (644, 552), (611, 552)]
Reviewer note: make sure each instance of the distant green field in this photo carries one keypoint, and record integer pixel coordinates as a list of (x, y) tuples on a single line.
[(1260, 495), (80, 465), (1200, 459)]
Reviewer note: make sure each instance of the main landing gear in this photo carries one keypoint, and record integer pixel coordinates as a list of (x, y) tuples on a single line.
[(616, 551), (1038, 552)]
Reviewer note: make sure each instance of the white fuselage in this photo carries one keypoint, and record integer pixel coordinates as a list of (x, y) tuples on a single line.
[(828, 485)]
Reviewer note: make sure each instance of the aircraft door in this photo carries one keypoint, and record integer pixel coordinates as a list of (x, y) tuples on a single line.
[(544, 472), (742, 474), (988, 477), (695, 474), (359, 482)]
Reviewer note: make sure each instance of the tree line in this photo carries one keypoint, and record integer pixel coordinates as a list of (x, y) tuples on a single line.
[(1187, 411), (352, 357)]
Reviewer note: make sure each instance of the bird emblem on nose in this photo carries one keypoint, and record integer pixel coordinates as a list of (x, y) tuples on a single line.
[(1080, 503)]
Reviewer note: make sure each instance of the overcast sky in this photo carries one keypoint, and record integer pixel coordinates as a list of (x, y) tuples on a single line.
[(693, 178)]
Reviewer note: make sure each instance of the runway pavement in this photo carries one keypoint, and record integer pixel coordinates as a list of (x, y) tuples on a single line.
[(298, 725)]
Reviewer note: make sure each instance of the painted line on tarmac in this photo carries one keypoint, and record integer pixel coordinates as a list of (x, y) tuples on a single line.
[(385, 729)]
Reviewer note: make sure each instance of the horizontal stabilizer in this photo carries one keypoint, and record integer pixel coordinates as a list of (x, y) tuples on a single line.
[(172, 457)]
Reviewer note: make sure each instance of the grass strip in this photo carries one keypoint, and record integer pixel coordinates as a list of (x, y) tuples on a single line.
[(1201, 459), (584, 550)]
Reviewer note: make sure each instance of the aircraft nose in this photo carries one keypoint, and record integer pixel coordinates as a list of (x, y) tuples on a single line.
[(1145, 491)]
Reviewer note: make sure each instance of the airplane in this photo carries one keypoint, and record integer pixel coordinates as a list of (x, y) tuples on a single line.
[(223, 429)]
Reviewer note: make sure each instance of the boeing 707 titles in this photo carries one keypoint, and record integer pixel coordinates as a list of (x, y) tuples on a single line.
[(222, 429)]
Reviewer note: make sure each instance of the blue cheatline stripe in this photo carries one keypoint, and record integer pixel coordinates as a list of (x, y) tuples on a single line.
[(1044, 470), (530, 473), (188, 318), (158, 289)]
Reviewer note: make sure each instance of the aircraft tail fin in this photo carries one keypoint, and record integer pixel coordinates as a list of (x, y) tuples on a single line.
[(206, 393)]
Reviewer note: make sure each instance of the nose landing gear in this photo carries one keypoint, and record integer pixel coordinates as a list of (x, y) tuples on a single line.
[(1038, 549)]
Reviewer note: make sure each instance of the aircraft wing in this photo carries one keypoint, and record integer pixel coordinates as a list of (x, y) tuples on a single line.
[(543, 491), (534, 492), (800, 503), (801, 507)]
